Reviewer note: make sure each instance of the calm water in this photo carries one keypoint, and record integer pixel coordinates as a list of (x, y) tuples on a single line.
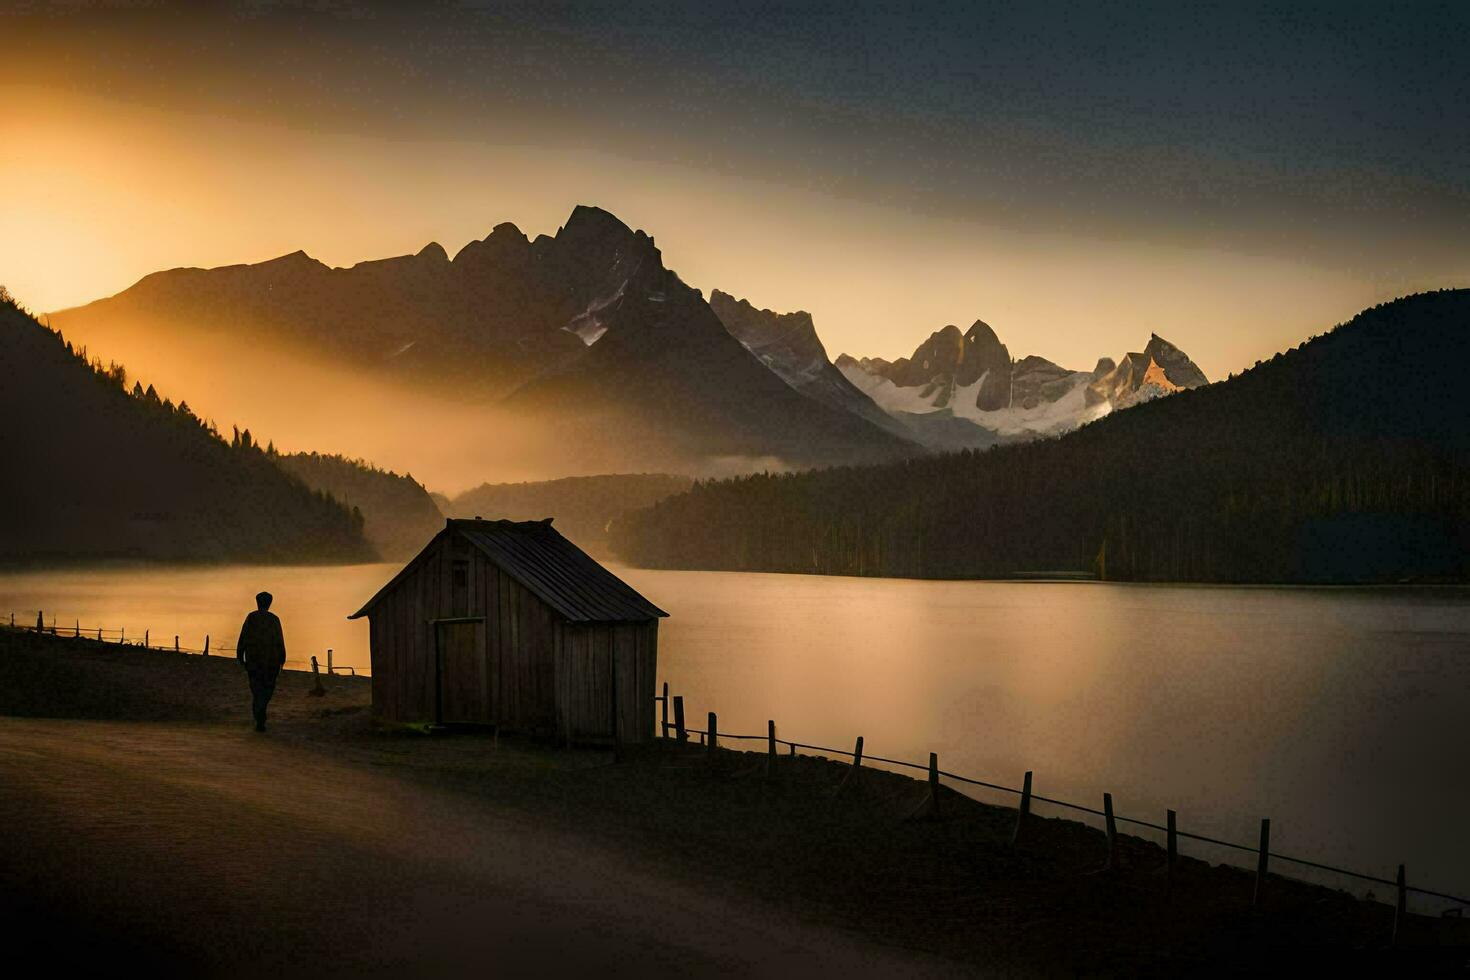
[(313, 604), (1339, 714)]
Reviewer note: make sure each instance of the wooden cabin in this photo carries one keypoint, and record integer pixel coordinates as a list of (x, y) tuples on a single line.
[(507, 623)]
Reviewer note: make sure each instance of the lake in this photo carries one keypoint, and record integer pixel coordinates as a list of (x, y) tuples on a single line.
[(1338, 713)]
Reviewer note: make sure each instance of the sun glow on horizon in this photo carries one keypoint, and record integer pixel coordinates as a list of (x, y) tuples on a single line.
[(104, 194)]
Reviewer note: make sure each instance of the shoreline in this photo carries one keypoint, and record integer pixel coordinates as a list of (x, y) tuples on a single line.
[(800, 845), (1464, 586), (611, 559)]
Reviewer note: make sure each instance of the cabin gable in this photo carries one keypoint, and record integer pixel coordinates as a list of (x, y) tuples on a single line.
[(458, 638)]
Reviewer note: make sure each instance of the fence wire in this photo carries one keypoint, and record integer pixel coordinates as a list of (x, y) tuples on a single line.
[(118, 636), (1082, 808)]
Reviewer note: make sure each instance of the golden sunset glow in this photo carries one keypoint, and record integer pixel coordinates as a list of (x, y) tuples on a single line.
[(108, 193)]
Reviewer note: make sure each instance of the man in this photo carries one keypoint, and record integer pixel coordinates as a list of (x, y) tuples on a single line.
[(261, 649)]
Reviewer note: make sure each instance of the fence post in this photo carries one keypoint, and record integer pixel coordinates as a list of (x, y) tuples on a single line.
[(1401, 906), (99, 634), (40, 621), (679, 733), (147, 641), (206, 644), (329, 661), (122, 634), (1112, 829), (934, 783), (857, 766), (711, 738), (664, 708), (176, 643), (317, 690), (1262, 858), (770, 748), (1025, 808), (78, 631)]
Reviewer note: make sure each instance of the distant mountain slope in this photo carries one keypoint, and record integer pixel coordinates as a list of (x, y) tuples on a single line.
[(95, 472), (583, 506), (486, 321), (584, 332), (1159, 369), (971, 376), (788, 344), (662, 368), (1344, 460), (398, 516)]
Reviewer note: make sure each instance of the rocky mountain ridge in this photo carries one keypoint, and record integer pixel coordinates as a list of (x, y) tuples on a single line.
[(616, 359), (971, 376)]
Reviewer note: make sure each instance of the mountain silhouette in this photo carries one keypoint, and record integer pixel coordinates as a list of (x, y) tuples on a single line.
[(585, 330), (788, 344)]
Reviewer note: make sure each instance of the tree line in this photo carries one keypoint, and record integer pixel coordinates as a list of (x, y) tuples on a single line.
[(98, 469)]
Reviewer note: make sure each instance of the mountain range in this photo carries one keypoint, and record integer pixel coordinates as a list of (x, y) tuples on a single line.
[(586, 339), (958, 390), (970, 377), (584, 332)]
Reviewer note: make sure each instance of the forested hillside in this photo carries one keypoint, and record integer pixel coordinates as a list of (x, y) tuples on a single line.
[(583, 506), (97, 470), (399, 517), (1346, 459)]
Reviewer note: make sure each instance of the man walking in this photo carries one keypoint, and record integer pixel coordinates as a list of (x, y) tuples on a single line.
[(261, 649)]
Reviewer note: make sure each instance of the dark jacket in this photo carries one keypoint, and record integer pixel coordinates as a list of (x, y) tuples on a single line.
[(261, 647)]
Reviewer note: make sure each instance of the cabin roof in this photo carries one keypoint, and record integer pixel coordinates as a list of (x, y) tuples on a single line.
[(574, 584)]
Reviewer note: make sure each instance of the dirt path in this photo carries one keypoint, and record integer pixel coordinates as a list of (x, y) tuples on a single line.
[(208, 848)]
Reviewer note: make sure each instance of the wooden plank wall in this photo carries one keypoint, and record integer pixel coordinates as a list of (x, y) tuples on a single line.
[(518, 640), (402, 640), (524, 636), (584, 663)]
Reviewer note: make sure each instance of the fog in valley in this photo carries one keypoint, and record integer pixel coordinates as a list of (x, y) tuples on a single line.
[(449, 438)]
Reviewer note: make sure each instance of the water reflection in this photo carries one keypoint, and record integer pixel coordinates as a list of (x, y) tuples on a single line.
[(313, 603), (1337, 713)]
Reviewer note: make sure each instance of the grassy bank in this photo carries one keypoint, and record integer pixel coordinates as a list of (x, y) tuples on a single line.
[(855, 858)]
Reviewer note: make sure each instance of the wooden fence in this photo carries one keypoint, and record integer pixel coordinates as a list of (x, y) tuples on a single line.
[(119, 635), (679, 731)]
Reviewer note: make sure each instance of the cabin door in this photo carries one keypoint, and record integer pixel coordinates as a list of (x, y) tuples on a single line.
[(464, 682)]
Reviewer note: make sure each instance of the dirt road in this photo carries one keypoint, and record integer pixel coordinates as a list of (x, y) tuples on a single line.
[(201, 848)]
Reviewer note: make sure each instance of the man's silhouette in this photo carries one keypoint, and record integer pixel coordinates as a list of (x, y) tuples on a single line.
[(262, 650)]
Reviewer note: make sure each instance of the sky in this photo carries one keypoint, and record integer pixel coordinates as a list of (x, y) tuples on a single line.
[(1234, 177)]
